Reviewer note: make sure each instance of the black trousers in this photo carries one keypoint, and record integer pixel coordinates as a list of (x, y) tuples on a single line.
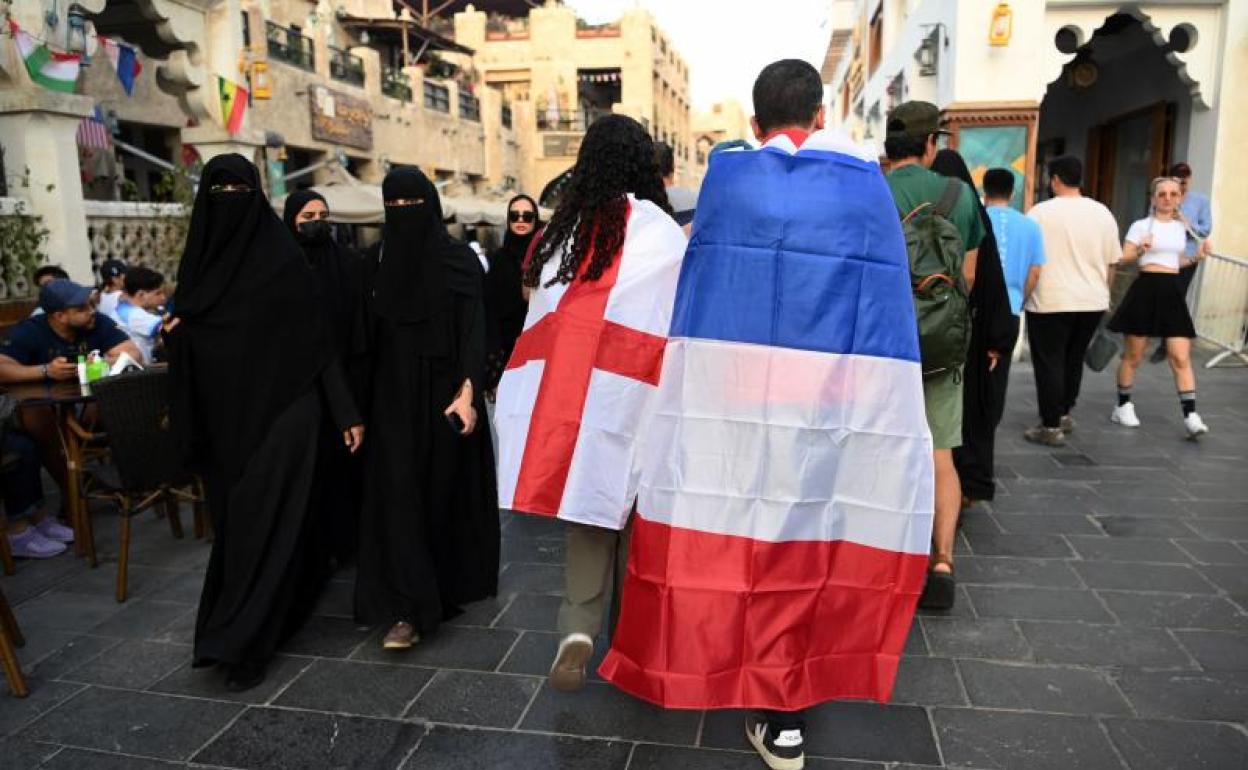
[(1058, 343), (983, 405)]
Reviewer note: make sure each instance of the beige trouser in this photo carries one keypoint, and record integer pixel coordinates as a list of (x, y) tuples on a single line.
[(596, 561)]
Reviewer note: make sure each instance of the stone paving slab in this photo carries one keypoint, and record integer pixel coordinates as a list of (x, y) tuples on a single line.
[(1102, 623)]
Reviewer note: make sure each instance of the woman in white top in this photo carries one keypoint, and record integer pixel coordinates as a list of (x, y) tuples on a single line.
[(1155, 305)]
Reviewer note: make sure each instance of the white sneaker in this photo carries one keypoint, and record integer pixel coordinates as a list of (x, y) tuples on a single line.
[(567, 673), (1195, 426), (32, 545), (1125, 415), (52, 529)]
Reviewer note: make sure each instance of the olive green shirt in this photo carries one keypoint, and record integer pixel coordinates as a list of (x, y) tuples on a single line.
[(915, 185)]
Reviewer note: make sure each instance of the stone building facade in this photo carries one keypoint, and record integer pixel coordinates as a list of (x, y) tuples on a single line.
[(559, 74)]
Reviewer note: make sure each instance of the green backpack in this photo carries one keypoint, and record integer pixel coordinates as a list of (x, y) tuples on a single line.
[(941, 300)]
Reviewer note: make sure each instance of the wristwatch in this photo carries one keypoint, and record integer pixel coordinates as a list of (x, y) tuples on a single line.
[(45, 372)]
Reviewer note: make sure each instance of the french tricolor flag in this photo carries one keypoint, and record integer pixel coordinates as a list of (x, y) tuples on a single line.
[(782, 529)]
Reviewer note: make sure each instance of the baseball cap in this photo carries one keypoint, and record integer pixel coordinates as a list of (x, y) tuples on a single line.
[(113, 268), (915, 120), (1181, 170), (62, 293)]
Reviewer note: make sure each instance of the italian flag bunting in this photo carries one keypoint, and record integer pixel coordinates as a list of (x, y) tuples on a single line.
[(233, 104), (52, 70)]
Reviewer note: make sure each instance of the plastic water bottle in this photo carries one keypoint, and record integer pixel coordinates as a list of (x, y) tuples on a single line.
[(83, 379)]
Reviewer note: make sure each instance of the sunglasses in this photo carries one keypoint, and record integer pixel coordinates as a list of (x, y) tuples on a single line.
[(521, 216)]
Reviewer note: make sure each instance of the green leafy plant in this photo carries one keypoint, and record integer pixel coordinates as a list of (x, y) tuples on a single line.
[(22, 238), (176, 187)]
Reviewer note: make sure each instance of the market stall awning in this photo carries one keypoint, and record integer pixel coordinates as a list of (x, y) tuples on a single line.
[(391, 30)]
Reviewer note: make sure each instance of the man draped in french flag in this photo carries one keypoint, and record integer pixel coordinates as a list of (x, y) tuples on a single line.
[(573, 400), (781, 535)]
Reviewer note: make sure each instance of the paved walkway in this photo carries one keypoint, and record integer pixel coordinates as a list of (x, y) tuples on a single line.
[(1100, 624)]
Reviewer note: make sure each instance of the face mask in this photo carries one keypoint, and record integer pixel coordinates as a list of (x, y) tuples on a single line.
[(314, 231)]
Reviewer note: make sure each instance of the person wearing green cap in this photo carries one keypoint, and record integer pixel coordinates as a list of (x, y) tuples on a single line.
[(911, 146)]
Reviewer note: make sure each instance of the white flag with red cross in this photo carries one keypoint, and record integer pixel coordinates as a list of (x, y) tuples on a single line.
[(572, 404)]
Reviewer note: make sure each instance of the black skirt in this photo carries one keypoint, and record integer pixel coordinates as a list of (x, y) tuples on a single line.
[(1154, 307)]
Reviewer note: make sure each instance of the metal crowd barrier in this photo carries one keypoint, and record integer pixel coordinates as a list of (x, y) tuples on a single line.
[(1219, 304)]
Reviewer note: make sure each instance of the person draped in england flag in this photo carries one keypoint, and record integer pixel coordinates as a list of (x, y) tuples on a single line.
[(780, 539), (573, 400)]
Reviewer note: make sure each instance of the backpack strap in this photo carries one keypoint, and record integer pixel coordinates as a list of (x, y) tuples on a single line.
[(916, 210), (949, 198)]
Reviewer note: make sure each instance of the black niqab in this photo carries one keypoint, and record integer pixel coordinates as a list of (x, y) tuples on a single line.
[(251, 338), (339, 275), (420, 263)]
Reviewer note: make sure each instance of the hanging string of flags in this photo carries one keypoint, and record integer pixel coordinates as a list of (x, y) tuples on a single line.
[(125, 61), (599, 77), (58, 70), (50, 69)]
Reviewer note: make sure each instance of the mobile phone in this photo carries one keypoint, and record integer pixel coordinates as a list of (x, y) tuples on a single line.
[(455, 422)]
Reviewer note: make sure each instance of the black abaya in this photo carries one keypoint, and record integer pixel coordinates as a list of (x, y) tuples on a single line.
[(993, 327), (250, 371), (429, 535), (505, 305), (340, 278)]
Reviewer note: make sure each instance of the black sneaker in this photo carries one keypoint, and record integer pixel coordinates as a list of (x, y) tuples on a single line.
[(780, 749)]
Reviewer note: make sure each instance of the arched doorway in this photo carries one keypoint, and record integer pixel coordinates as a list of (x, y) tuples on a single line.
[(1123, 105)]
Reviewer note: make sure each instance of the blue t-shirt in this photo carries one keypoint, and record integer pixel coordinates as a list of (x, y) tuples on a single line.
[(32, 341), (1021, 245)]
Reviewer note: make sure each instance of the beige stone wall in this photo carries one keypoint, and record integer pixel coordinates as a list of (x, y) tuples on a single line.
[(724, 121)]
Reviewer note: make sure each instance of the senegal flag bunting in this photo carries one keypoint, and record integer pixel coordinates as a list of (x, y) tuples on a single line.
[(233, 104)]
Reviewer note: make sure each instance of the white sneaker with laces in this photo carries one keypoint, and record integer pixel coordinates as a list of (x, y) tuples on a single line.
[(779, 750), (1125, 415), (52, 529), (30, 544), (1195, 426)]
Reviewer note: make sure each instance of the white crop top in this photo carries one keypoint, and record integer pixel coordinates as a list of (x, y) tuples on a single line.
[(1169, 242)]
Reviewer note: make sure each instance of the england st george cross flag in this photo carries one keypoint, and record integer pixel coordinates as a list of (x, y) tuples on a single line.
[(573, 400)]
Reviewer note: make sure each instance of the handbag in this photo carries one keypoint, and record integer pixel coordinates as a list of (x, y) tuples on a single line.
[(1103, 349)]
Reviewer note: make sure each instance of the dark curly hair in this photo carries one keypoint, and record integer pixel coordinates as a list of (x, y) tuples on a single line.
[(616, 157)]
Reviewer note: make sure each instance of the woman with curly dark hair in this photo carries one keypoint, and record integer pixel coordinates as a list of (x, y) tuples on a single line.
[(573, 401)]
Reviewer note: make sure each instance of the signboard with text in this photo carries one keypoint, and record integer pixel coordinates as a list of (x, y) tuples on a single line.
[(561, 145), (340, 119)]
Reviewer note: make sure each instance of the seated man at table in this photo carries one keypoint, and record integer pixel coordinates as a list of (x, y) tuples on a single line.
[(137, 311), (45, 348)]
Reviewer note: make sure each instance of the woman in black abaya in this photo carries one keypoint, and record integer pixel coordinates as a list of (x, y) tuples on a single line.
[(429, 523), (994, 330), (505, 305), (250, 370), (340, 279)]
